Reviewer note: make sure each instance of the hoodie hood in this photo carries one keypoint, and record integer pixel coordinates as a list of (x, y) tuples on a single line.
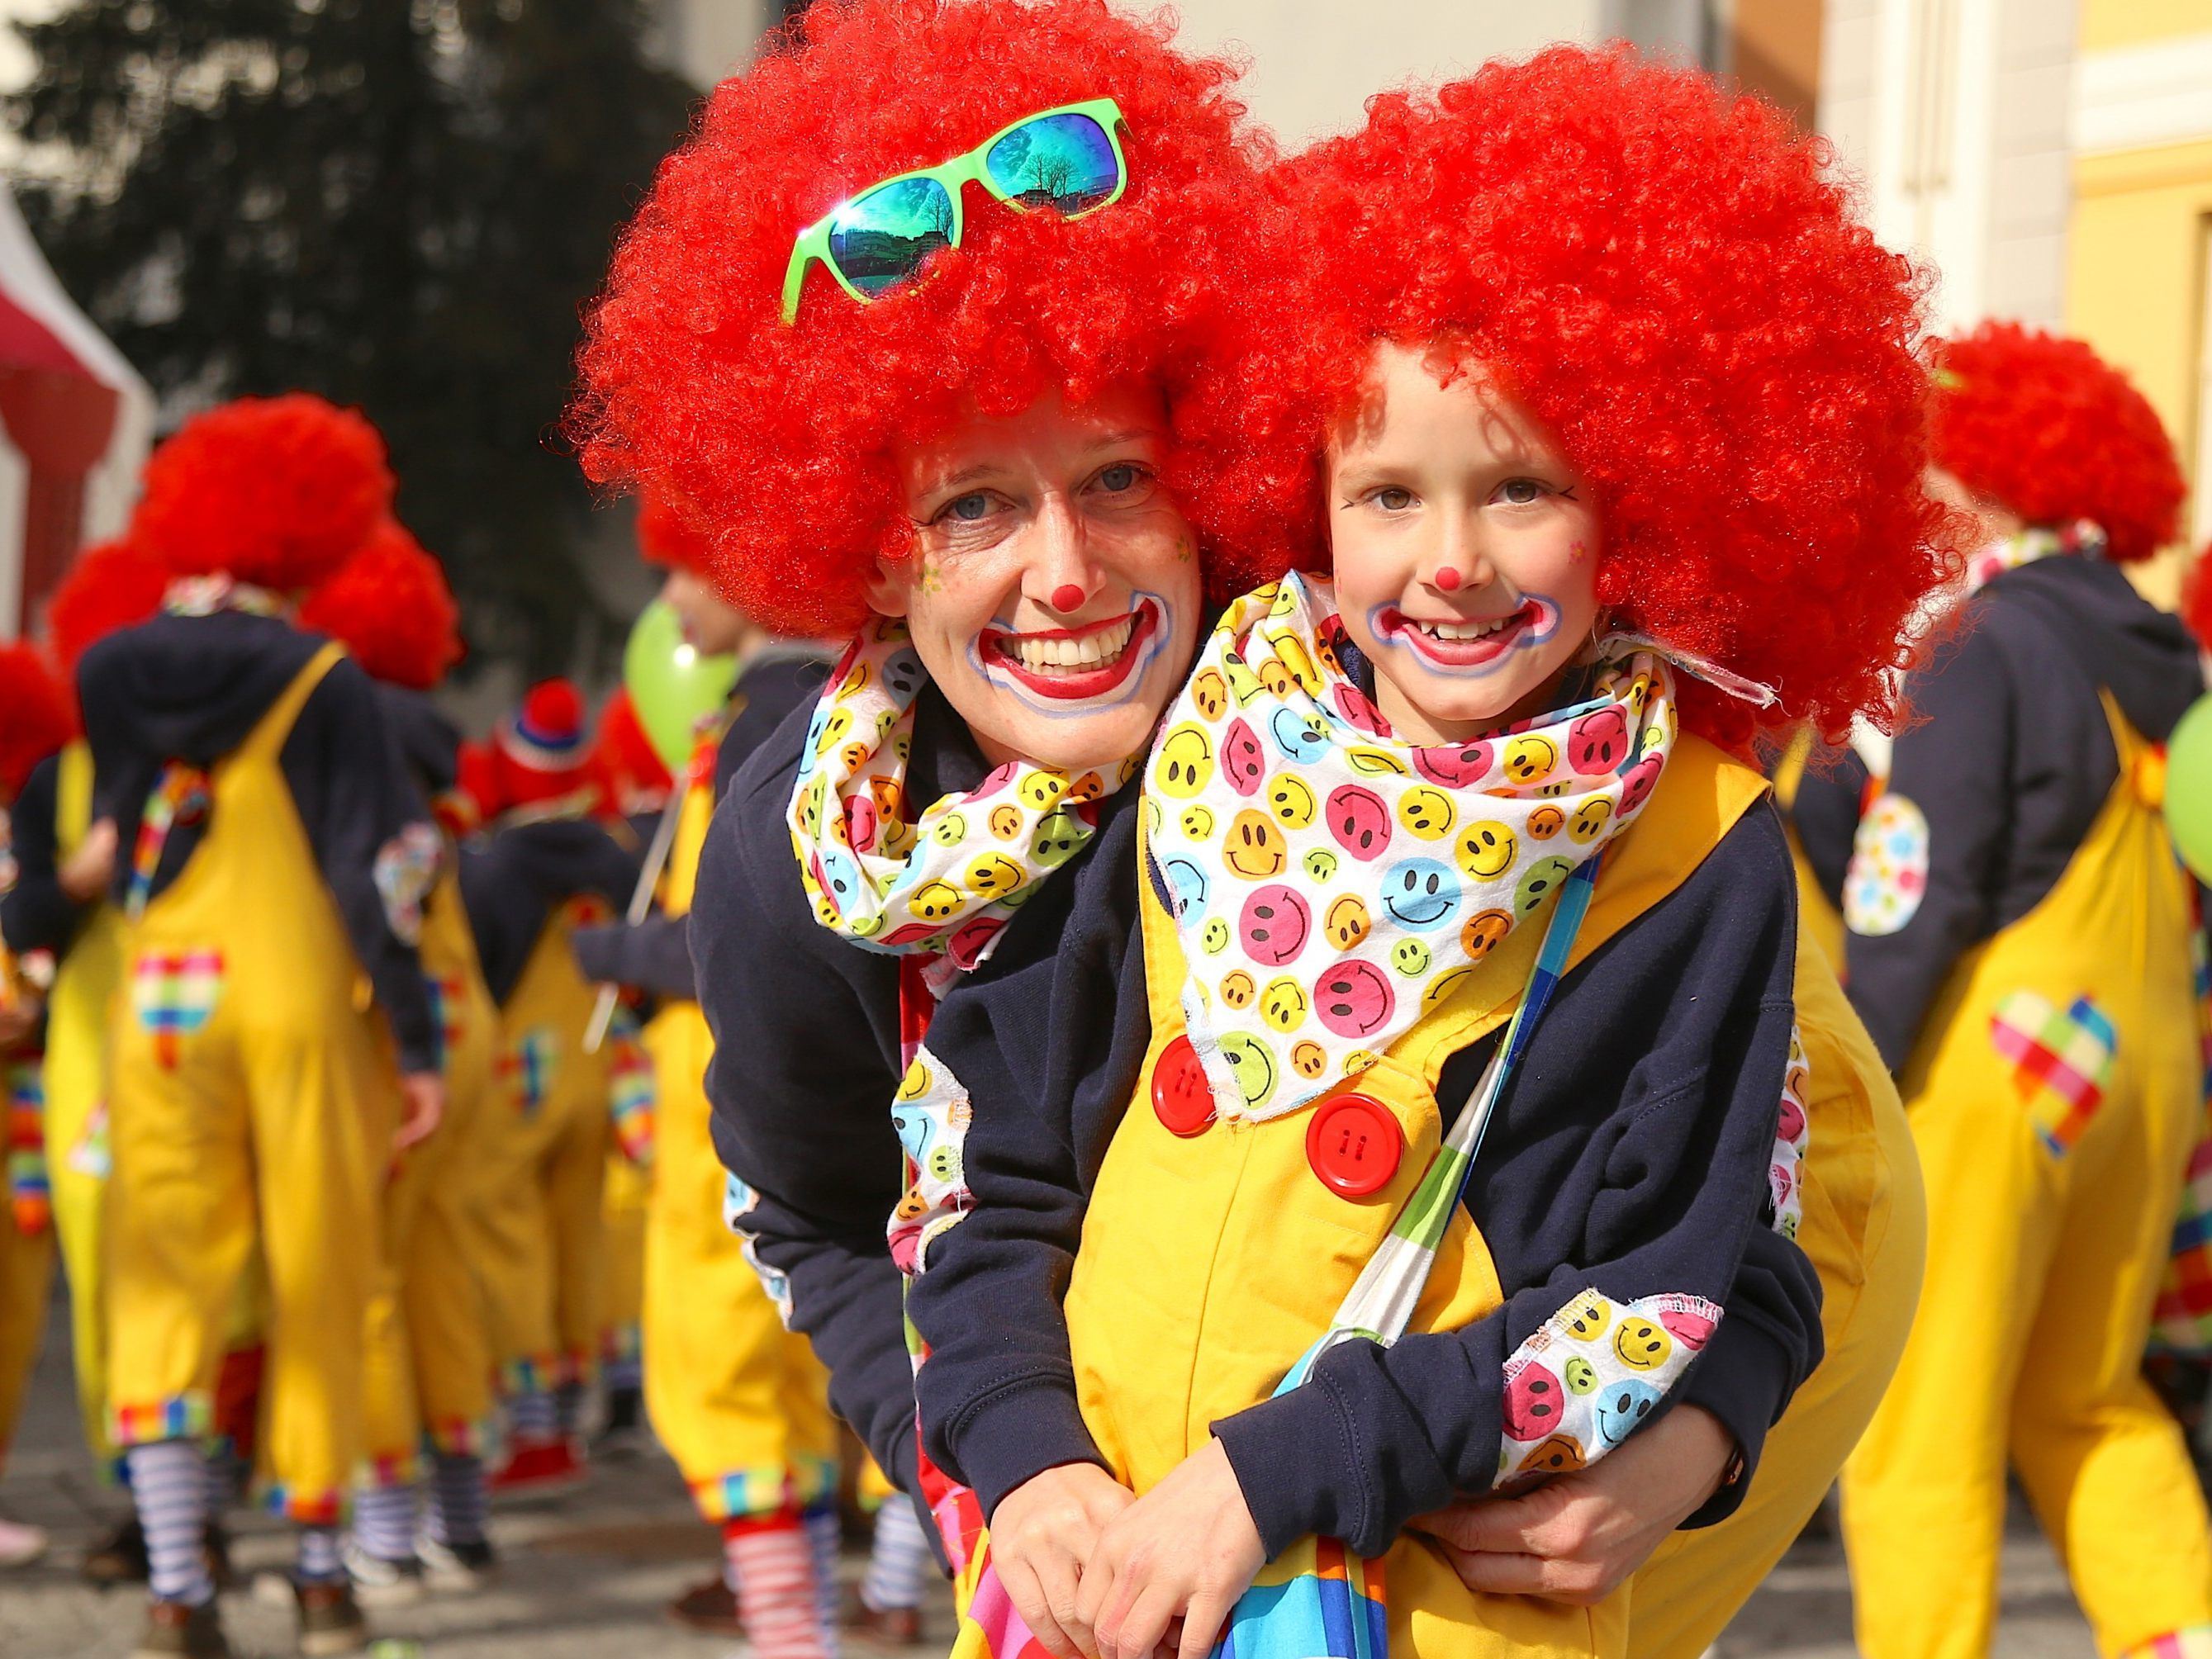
[(191, 688), (430, 743), (2141, 655)]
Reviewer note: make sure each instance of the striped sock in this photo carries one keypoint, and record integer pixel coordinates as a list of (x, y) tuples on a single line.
[(627, 1372), (825, 1542), (776, 1602), (568, 1406), (169, 1482), (319, 1562), (383, 1521), (897, 1558), (459, 1497), (534, 1415)]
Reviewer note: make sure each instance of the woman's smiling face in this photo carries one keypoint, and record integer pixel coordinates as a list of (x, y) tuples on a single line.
[(1053, 593), (1466, 551)]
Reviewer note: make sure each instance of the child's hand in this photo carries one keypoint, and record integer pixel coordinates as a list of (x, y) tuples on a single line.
[(1041, 1533), (1186, 1549)]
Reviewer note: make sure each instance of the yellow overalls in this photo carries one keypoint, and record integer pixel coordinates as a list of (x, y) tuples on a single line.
[(623, 1204), (544, 1162), (429, 1356), (27, 1250), (78, 1012), (251, 1097), (2055, 1094), (1817, 914), (741, 1404)]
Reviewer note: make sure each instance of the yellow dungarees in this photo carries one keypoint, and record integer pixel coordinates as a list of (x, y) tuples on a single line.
[(2054, 1094), (622, 1201), (27, 1246), (1817, 914), (430, 1357), (251, 1098), (741, 1403)]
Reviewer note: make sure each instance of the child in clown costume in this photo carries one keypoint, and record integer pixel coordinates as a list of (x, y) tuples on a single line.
[(544, 865), (1464, 824), (2020, 948), (429, 1360), (278, 858)]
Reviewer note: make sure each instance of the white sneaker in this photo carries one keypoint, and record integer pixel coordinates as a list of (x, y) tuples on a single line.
[(378, 1582), (455, 1570), (19, 1544)]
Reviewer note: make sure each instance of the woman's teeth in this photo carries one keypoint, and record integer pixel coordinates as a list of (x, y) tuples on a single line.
[(1481, 628), (1091, 652)]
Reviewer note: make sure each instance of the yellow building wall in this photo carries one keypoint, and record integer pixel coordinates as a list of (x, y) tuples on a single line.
[(2137, 22)]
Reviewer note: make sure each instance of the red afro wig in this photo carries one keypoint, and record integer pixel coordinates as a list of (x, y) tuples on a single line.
[(114, 585), (1669, 279), (35, 718), (2051, 432), (390, 606), (631, 774), (782, 435), (669, 537), (274, 491), (2197, 596)]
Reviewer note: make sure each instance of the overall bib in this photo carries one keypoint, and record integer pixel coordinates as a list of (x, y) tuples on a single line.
[(1817, 914), (429, 1360), (545, 1159), (252, 1099), (741, 1403), (2054, 1094), (622, 1202)]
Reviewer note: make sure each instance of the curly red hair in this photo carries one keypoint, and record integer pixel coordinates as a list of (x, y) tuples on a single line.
[(36, 716), (274, 491), (781, 437), (390, 606), (113, 585), (671, 538), (2052, 432), (1669, 279)]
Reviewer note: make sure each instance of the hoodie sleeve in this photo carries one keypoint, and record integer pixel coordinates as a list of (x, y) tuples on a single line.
[(36, 913), (374, 842)]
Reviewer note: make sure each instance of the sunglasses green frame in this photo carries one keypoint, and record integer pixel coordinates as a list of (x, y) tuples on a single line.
[(813, 243)]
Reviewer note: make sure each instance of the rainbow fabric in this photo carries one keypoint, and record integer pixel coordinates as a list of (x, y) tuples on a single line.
[(2181, 1320), (1316, 1598), (30, 1198)]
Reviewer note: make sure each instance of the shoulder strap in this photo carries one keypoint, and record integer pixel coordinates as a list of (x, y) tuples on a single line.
[(267, 738)]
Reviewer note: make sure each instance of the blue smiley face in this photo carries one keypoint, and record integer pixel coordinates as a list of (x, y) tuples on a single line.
[(1420, 893), (1301, 737), (1186, 886), (840, 874), (1622, 1407)]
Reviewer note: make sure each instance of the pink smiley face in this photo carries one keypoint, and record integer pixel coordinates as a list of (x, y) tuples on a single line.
[(970, 938), (1782, 1182), (996, 778), (1243, 762), (1598, 742), (1360, 821), (1792, 1125), (1352, 702), (1353, 999), (1274, 926), (1692, 1330), (1455, 769), (1534, 1402), (861, 824), (1637, 783)]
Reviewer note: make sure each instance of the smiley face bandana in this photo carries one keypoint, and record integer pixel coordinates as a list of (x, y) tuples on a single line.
[(1332, 884), (947, 879)]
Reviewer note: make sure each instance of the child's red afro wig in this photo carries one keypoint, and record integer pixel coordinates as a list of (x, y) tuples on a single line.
[(2052, 432), (1671, 281), (36, 716), (780, 436), (669, 537), (274, 491), (113, 585), (389, 605)]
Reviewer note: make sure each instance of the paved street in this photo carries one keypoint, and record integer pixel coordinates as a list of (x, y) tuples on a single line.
[(586, 1575)]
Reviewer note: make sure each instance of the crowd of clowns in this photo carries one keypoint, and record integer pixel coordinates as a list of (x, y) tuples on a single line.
[(1472, 894)]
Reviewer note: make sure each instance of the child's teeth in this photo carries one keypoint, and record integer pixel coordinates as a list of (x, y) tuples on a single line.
[(1466, 630)]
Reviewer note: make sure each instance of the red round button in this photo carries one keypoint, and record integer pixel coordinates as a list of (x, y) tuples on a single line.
[(1354, 1145), (1181, 1098)]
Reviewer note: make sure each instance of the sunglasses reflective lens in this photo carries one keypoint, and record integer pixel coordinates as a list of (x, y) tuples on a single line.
[(1065, 162), (882, 238)]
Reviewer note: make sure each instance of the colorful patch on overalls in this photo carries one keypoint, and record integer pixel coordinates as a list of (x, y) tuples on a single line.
[(529, 1064), (2193, 1643), (738, 1202), (1889, 873), (30, 1198), (1591, 1375), (631, 1092), (92, 1155), (1793, 1137), (405, 870), (2061, 1062), (1315, 1599), (931, 1113), (173, 993), (449, 998)]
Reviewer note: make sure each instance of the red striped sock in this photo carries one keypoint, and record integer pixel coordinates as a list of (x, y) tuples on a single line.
[(774, 1569)]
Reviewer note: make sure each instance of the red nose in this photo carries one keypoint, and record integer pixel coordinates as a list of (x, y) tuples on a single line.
[(1067, 596), (1447, 578)]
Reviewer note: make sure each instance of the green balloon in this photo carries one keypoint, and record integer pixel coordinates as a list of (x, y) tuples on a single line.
[(672, 685), (2189, 787)]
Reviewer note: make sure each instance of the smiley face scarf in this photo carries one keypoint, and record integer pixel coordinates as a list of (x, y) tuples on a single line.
[(943, 880), (1332, 884)]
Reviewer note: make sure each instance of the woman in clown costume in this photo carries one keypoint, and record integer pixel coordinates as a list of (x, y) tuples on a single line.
[(2020, 950), (1496, 760)]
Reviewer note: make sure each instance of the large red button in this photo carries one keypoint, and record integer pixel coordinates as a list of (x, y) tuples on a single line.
[(1181, 1096), (1354, 1146)]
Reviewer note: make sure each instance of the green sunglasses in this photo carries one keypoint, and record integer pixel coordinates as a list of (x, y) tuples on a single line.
[(1068, 160)]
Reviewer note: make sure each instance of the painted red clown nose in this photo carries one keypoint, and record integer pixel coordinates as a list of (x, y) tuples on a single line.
[(1067, 596), (1447, 578)]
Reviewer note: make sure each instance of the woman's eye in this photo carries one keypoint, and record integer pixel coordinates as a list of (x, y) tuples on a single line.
[(968, 508), (1121, 476), (1521, 492)]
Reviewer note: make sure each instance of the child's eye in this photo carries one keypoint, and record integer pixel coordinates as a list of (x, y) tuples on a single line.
[(1521, 492), (1392, 498)]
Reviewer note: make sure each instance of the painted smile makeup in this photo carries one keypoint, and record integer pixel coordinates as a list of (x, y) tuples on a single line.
[(1467, 645), (1064, 665)]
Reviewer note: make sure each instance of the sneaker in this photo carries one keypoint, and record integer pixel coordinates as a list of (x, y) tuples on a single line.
[(330, 1621), (540, 1465), (19, 1544), (456, 1569), (118, 1558), (176, 1630), (378, 1582), (621, 1429), (884, 1627), (711, 1608)]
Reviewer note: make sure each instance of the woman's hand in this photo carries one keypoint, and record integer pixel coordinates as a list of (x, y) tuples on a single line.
[(1186, 1550), (1041, 1533), (1578, 1537), (86, 874)]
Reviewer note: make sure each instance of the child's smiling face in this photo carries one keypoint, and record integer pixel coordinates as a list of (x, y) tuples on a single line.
[(1465, 549)]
